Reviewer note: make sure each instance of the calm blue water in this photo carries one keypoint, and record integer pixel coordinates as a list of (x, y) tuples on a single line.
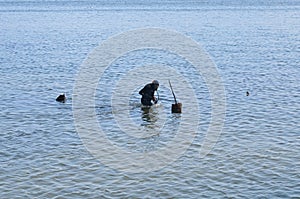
[(256, 47)]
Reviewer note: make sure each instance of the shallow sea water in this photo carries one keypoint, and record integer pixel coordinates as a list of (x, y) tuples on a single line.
[(255, 48)]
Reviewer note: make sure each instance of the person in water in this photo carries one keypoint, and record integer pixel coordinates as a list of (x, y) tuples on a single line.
[(148, 93)]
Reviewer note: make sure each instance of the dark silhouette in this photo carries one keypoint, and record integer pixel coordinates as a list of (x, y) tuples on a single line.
[(61, 98), (148, 93)]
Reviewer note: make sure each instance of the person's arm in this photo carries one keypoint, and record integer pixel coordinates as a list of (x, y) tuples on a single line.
[(154, 98)]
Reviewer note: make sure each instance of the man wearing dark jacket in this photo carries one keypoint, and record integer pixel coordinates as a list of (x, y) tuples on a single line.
[(148, 93)]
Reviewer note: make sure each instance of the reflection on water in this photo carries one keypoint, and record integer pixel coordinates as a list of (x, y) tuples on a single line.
[(149, 116)]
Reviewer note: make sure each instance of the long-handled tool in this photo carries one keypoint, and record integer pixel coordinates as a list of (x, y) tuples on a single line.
[(176, 108)]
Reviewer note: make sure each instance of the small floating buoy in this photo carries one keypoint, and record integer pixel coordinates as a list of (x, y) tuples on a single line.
[(176, 108), (247, 93), (61, 98)]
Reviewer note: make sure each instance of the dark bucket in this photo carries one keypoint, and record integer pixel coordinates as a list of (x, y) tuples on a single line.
[(176, 108)]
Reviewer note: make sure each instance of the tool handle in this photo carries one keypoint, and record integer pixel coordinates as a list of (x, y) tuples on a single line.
[(173, 92)]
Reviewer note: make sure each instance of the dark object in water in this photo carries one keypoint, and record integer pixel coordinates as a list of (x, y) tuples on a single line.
[(247, 93), (176, 108), (61, 98)]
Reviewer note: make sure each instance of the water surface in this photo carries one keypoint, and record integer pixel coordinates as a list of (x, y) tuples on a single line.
[(256, 48)]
